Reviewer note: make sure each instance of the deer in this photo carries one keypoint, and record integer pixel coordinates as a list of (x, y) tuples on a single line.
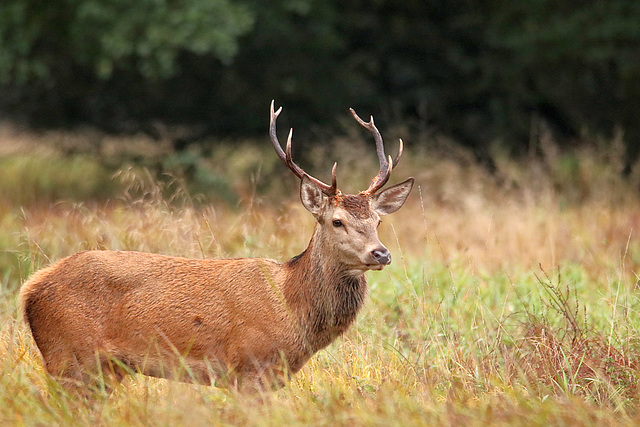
[(247, 323)]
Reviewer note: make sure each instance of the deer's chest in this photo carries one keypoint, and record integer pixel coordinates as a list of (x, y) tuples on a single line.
[(333, 316)]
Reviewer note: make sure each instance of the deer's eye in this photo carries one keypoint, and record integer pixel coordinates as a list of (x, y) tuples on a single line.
[(337, 223)]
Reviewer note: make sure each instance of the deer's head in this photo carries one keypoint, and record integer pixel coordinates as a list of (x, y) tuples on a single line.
[(348, 223)]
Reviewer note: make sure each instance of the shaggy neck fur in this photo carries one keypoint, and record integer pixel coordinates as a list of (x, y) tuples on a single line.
[(322, 293)]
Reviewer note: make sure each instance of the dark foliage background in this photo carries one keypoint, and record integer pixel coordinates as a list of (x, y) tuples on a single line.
[(475, 71)]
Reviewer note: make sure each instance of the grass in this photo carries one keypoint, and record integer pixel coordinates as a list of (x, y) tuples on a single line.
[(510, 301)]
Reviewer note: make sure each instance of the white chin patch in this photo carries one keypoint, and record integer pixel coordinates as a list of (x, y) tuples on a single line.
[(357, 270)]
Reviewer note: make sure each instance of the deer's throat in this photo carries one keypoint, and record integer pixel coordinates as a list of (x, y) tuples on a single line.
[(325, 297)]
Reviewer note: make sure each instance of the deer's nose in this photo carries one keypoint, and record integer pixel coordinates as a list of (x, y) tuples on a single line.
[(381, 255)]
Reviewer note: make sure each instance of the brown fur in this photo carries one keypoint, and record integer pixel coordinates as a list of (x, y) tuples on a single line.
[(153, 313), (357, 205)]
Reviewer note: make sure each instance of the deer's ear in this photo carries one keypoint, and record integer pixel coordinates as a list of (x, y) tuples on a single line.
[(312, 197), (391, 199)]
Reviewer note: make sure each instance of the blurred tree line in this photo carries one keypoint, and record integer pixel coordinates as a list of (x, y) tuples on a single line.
[(476, 71)]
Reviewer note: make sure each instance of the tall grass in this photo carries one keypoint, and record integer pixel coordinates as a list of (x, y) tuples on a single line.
[(512, 298)]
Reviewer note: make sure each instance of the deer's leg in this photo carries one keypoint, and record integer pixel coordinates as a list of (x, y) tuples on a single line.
[(261, 379), (83, 372)]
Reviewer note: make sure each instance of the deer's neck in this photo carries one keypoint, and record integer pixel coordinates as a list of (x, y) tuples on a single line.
[(322, 293)]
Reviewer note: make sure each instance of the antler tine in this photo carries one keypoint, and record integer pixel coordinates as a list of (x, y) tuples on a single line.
[(272, 132), (385, 165), (287, 152), (334, 181), (400, 150), (285, 156)]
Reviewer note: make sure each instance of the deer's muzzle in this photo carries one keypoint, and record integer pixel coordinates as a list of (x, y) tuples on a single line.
[(381, 255)]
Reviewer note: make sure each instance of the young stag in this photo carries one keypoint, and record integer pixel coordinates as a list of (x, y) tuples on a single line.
[(244, 323)]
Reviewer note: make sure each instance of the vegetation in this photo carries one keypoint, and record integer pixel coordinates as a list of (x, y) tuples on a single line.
[(510, 301), (474, 71)]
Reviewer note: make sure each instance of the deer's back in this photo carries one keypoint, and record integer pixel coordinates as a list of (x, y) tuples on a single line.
[(130, 304)]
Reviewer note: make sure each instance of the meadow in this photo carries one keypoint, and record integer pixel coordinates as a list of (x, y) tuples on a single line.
[(512, 298)]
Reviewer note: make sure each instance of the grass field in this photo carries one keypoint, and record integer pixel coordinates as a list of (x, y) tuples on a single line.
[(512, 299)]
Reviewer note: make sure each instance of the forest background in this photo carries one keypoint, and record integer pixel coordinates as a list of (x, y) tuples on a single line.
[(475, 72)]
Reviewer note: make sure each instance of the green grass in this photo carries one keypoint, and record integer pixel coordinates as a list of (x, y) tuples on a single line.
[(507, 303), (28, 178)]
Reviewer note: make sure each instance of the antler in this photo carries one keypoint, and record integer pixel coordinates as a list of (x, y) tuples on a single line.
[(385, 166), (285, 156)]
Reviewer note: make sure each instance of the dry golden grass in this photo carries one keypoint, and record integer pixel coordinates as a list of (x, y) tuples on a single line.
[(512, 298)]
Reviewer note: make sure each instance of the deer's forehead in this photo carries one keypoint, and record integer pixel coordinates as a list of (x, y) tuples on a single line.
[(358, 206)]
